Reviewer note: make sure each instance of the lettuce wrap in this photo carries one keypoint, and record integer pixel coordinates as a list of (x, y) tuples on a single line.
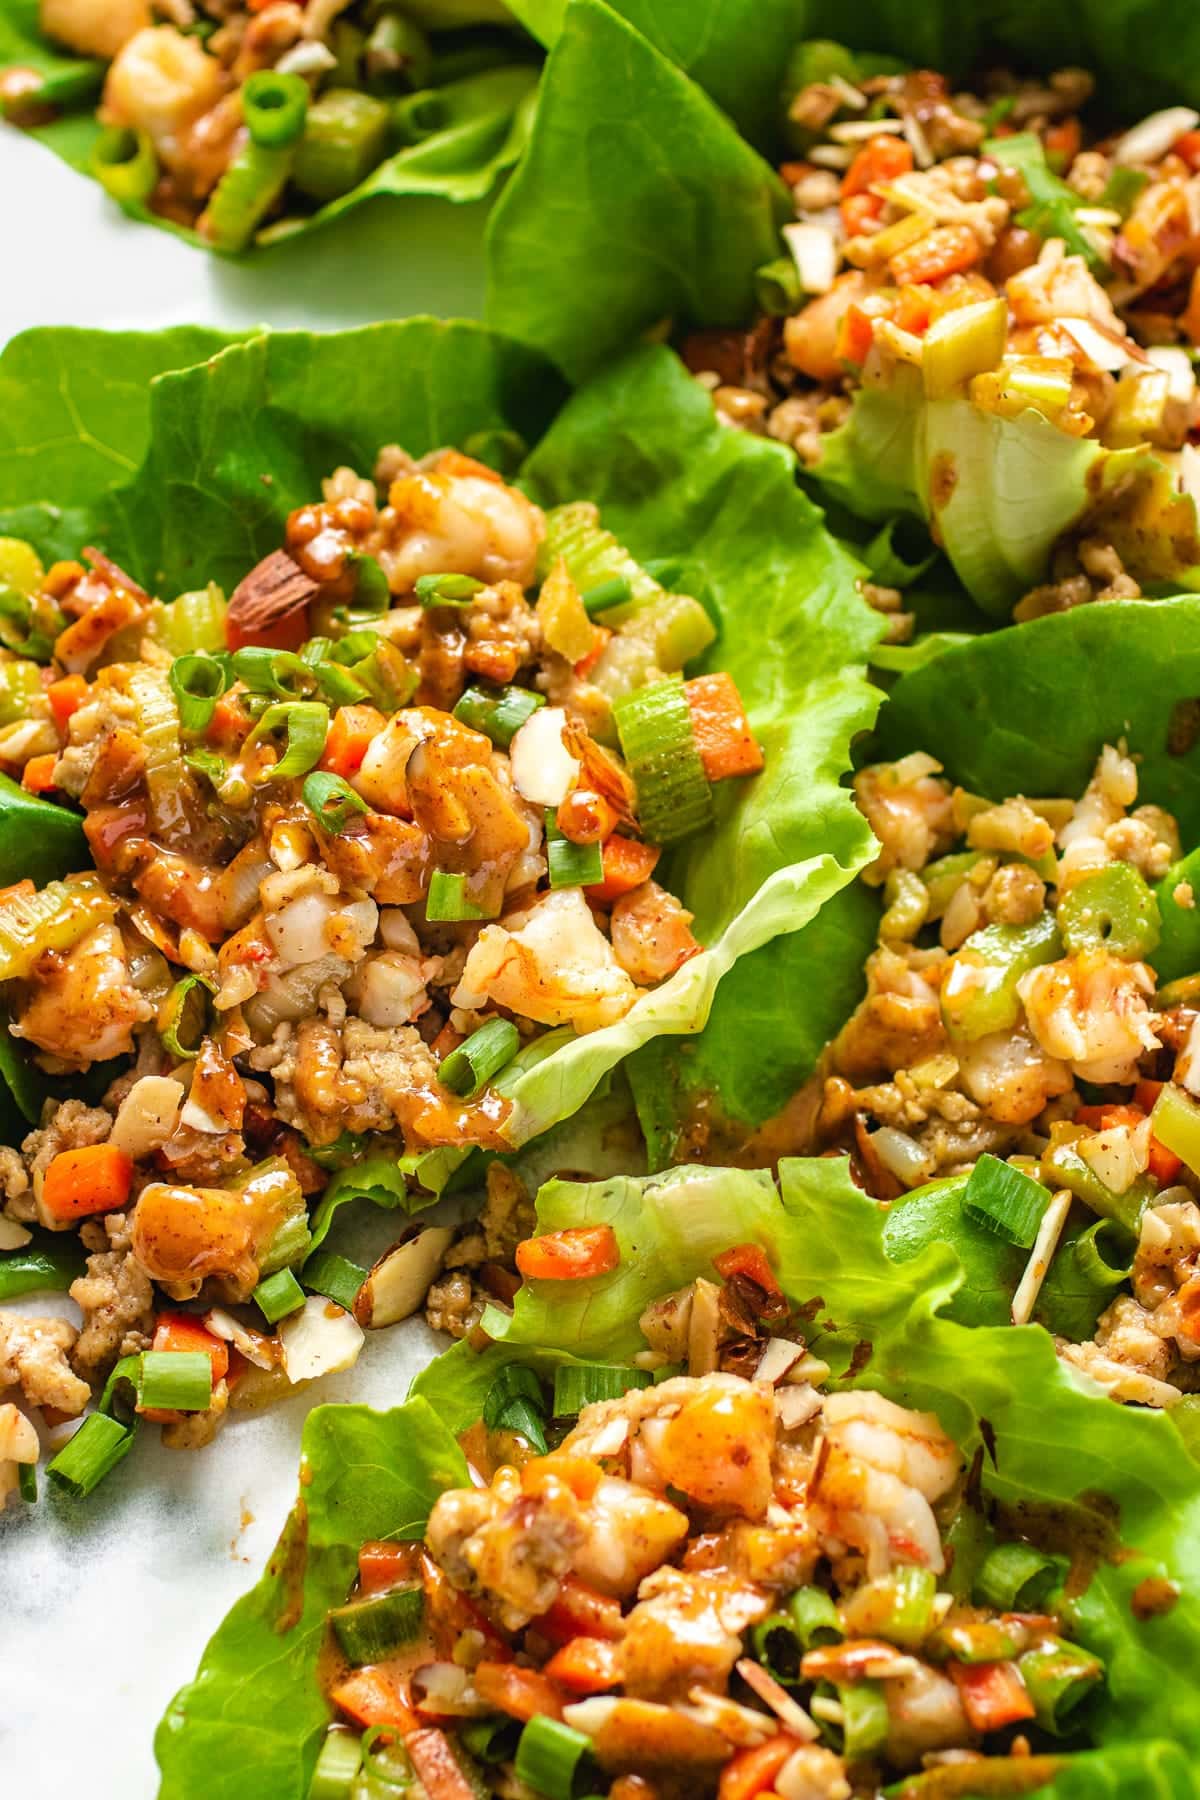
[(225, 449), (484, 77), (1124, 1479), (684, 217)]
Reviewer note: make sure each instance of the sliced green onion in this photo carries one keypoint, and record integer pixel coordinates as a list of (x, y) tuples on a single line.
[(331, 800), (336, 1277), (655, 728), (209, 763), (1123, 187), (96, 1448), (372, 594), (467, 1070), (1005, 1201), (1015, 1578), (338, 1763), (384, 1760), (498, 712), (27, 1482), (388, 679), (864, 1718), (125, 164), (814, 1617), (447, 590), (397, 54), (355, 645), (306, 724), (550, 1757), (514, 1403), (898, 1607), (279, 1295), (179, 1380), (338, 685), (447, 900), (37, 1270), (197, 682), (184, 1014), (246, 193), (571, 864), (665, 570), (974, 1641), (1058, 1679), (577, 1385), (29, 625), (345, 137), (492, 1740), (274, 106), (777, 288), (614, 592), (418, 116), (777, 1645), (289, 1243), (371, 1630), (280, 673)]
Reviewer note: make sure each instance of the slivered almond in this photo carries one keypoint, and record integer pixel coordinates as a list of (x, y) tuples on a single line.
[(273, 591)]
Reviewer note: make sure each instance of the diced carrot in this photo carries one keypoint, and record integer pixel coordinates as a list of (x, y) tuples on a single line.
[(1107, 1116), (580, 1611), (1189, 319), (859, 211), (229, 723), (184, 1331), (600, 637), (627, 862), (66, 697), (749, 1260), (93, 1179), (1188, 148), (992, 1694), (437, 1766), (720, 727), (856, 330), (792, 172), (238, 1364), (1062, 143), (38, 777), (1163, 1164), (585, 1666), (453, 462), (376, 1696), (521, 1693), (751, 1772), (914, 310), (881, 158), (349, 737), (570, 1255), (383, 1565), (1146, 1092), (947, 250)]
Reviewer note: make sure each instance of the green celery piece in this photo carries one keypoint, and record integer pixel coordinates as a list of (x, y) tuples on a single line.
[(1178, 951), (979, 992), (1053, 205), (1112, 909), (1063, 1167)]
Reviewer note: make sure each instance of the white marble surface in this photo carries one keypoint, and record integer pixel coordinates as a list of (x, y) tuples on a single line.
[(105, 1607)]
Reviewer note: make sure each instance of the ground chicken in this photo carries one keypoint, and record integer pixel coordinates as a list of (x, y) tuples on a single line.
[(450, 1305), (15, 1184), (66, 1126), (356, 1077), (33, 1357), (116, 1298)]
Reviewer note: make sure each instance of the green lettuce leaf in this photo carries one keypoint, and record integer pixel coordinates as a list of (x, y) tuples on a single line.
[(487, 123), (254, 1712), (635, 198)]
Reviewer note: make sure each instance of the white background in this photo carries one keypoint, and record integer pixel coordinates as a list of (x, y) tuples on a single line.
[(105, 1607)]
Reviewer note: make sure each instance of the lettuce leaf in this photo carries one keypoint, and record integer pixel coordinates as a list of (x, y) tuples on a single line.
[(489, 115), (254, 1712), (635, 198)]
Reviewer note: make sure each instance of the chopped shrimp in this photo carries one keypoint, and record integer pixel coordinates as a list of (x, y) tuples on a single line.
[(924, 1714), (160, 82), (880, 1467), (1011, 1076), (551, 963), (509, 1546), (909, 808), (717, 1449), (1084, 838), (642, 1736), (1091, 1011), (686, 1631), (84, 1008), (33, 1357), (650, 934), (1060, 286), (472, 523), (810, 336)]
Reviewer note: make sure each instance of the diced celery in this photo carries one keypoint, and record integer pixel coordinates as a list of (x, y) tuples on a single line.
[(967, 341), (1063, 1167), (195, 621), (979, 992), (593, 555), (345, 137), (54, 918), (20, 685), (1138, 409), (1175, 1122), (1021, 382)]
